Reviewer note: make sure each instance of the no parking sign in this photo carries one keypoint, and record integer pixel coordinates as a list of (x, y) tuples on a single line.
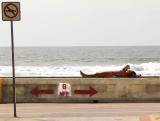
[(11, 11)]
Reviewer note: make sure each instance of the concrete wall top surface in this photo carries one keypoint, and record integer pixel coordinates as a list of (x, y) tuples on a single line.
[(50, 80)]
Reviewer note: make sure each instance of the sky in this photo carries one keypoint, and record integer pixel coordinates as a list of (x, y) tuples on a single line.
[(85, 23)]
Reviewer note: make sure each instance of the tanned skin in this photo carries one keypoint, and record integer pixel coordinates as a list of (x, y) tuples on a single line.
[(124, 72)]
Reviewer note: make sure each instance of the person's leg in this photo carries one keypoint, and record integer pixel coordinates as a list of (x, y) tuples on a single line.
[(87, 75)]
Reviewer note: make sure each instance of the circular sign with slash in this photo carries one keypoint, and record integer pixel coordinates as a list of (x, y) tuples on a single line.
[(11, 10)]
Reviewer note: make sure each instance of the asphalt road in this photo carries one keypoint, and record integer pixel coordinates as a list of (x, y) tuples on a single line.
[(83, 111)]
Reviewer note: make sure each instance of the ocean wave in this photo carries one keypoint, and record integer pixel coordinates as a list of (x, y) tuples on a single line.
[(145, 69)]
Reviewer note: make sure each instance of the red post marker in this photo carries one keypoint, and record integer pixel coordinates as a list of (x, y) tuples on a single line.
[(37, 92), (91, 91)]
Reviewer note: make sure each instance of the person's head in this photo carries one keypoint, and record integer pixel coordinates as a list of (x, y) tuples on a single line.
[(131, 73)]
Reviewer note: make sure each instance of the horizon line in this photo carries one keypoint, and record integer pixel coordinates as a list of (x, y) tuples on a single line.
[(92, 46)]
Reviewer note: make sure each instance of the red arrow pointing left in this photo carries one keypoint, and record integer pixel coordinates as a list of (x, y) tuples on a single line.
[(37, 92)]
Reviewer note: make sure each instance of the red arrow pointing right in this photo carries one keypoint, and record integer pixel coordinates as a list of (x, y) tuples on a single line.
[(91, 91)]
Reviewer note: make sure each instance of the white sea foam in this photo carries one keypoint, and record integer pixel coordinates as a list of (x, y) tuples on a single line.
[(145, 69)]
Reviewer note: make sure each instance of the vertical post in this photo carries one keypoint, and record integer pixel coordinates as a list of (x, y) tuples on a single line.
[(13, 69)]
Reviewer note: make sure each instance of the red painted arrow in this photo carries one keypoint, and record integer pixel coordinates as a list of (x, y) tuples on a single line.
[(37, 92), (91, 91)]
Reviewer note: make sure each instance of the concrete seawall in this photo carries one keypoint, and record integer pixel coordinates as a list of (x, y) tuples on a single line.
[(1, 90), (81, 89)]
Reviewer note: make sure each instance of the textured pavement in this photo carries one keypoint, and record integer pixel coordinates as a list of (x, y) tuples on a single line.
[(82, 112)]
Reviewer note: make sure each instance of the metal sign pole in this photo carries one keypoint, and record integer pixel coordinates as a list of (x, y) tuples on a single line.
[(11, 12), (13, 69)]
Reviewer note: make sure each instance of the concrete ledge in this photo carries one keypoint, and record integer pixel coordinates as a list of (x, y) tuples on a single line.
[(108, 89), (1, 81)]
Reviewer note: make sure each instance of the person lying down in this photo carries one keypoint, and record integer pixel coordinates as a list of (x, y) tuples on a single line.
[(124, 72)]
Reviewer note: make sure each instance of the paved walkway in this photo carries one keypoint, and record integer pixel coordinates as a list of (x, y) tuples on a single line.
[(82, 112)]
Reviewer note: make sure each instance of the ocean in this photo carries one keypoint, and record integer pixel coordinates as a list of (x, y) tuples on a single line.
[(68, 61)]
